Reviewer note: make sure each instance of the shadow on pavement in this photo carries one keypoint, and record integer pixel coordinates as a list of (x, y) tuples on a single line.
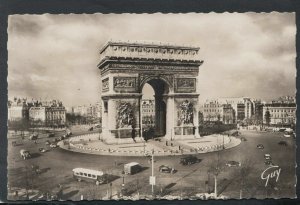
[(68, 195), (44, 170), (35, 155), (111, 178)]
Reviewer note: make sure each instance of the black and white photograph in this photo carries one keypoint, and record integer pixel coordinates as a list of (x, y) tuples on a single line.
[(159, 106)]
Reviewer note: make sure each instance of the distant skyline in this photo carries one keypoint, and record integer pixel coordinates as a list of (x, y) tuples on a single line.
[(247, 54)]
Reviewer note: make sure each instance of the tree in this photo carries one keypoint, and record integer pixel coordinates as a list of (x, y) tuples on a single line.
[(201, 118), (216, 168), (268, 117)]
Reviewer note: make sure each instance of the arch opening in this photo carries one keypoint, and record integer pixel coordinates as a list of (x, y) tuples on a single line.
[(153, 112)]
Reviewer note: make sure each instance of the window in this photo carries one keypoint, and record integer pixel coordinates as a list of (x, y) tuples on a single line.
[(80, 173), (89, 175), (94, 176), (84, 174)]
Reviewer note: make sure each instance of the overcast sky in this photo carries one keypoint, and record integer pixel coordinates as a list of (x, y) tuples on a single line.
[(56, 56)]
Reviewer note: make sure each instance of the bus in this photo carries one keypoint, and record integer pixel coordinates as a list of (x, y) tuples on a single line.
[(90, 175)]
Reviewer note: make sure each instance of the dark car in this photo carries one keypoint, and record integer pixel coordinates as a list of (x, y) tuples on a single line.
[(283, 143), (51, 134), (233, 164), (42, 150), (91, 129), (188, 160), (243, 139), (260, 146), (47, 142), (166, 169), (268, 162)]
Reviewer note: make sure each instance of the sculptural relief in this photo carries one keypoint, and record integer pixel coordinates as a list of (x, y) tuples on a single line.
[(105, 85), (186, 84), (124, 83), (186, 112), (124, 115)]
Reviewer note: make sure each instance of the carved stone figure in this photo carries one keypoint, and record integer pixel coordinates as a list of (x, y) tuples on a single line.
[(124, 82), (105, 85), (186, 112), (125, 115)]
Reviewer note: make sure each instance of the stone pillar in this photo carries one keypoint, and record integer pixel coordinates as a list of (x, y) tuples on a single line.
[(196, 120), (104, 120), (111, 117), (170, 118)]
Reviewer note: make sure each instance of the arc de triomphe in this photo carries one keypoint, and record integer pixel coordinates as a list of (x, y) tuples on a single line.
[(171, 70)]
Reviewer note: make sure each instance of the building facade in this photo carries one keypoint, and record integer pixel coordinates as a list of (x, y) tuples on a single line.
[(214, 111), (148, 112), (48, 115), (280, 113), (18, 109)]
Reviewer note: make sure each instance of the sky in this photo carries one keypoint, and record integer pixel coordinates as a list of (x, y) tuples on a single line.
[(244, 54)]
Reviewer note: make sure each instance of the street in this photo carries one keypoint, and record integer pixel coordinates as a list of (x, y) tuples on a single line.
[(56, 167)]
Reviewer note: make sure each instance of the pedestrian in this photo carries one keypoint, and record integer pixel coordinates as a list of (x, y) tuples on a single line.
[(171, 144), (166, 143), (179, 147)]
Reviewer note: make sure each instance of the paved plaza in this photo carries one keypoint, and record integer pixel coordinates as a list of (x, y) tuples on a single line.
[(56, 170)]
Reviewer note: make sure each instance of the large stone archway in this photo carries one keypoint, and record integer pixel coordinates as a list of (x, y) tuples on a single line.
[(172, 71)]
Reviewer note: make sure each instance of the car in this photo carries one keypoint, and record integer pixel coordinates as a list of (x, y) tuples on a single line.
[(233, 164), (47, 142), (243, 139), (61, 138), (268, 157), (42, 150), (56, 139), (269, 162), (166, 169), (51, 134), (53, 145), (91, 129), (283, 143), (260, 146), (188, 160)]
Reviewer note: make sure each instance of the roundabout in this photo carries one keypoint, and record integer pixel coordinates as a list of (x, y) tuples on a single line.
[(92, 144)]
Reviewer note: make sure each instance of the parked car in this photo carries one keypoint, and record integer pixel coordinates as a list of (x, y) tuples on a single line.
[(268, 157), (188, 160), (42, 150), (166, 169), (53, 145), (33, 136), (56, 139), (52, 134), (283, 143), (269, 162), (47, 142), (36, 169), (233, 164), (68, 132), (91, 129), (260, 146), (25, 154), (243, 139)]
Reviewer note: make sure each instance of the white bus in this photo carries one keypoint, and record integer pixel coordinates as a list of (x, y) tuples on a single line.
[(89, 175)]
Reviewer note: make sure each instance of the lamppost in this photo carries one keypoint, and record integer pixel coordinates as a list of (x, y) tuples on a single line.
[(123, 183)]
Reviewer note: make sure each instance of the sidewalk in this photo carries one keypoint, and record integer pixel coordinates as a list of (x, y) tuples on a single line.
[(91, 144)]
